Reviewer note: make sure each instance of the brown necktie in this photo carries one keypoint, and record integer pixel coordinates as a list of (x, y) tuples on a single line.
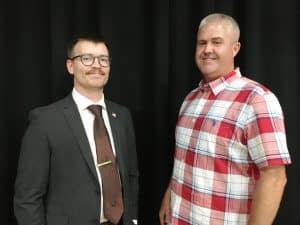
[(111, 186)]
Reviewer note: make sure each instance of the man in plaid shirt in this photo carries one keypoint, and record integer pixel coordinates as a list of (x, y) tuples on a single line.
[(231, 151)]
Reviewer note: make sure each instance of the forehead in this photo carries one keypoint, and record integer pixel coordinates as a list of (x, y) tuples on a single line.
[(83, 47), (214, 30)]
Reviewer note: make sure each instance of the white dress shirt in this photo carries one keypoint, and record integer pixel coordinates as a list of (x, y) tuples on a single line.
[(87, 118)]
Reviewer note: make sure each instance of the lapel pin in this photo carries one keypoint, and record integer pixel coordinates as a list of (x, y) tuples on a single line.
[(114, 115)]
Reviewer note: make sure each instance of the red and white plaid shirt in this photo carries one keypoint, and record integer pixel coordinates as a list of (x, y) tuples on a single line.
[(226, 131)]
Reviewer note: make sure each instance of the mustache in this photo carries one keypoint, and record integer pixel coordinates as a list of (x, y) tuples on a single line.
[(93, 71)]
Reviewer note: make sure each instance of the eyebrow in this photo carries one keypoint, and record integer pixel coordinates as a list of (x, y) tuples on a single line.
[(213, 39), (217, 38)]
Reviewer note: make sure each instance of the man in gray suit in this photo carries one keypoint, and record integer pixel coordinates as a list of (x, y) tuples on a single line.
[(58, 182)]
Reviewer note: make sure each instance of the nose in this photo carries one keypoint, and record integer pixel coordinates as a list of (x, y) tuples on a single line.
[(97, 62), (208, 47)]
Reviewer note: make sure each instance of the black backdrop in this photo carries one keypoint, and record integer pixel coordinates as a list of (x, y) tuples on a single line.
[(152, 45)]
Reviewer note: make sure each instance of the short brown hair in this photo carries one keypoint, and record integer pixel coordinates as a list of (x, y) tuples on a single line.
[(95, 38)]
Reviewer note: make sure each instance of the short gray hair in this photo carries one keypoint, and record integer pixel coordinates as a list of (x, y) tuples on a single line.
[(219, 17)]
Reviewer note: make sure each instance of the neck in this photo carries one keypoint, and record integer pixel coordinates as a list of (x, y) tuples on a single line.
[(94, 95), (211, 77)]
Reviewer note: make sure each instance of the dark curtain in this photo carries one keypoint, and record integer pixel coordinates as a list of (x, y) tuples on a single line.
[(152, 45)]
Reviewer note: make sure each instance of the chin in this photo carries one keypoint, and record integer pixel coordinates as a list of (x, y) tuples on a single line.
[(208, 72)]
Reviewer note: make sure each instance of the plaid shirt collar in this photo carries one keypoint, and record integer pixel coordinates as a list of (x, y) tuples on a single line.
[(218, 85)]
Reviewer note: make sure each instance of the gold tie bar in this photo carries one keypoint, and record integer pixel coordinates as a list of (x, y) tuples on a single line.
[(104, 163)]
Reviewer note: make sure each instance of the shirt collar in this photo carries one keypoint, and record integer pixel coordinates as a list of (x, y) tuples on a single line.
[(83, 102), (218, 85)]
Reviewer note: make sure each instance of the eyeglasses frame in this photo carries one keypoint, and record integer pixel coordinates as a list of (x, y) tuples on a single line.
[(94, 57)]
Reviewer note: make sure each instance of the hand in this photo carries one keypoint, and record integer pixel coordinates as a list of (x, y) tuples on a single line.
[(164, 212)]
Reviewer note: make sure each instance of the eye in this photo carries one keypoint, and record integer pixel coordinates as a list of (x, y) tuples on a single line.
[(217, 42), (104, 59), (87, 57), (201, 43)]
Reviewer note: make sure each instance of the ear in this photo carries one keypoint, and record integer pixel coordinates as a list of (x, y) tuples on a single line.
[(236, 48), (69, 65)]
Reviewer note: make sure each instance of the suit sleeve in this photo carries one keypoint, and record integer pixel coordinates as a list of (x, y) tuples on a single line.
[(32, 175), (134, 171)]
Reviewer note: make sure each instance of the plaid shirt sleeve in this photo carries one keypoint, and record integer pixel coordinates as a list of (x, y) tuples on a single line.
[(266, 132)]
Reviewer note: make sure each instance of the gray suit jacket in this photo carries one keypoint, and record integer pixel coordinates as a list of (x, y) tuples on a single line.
[(56, 181)]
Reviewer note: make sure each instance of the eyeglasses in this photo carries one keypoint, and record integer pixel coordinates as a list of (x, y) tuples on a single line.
[(89, 59)]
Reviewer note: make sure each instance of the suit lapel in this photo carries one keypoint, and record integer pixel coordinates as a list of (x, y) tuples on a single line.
[(73, 118), (115, 124)]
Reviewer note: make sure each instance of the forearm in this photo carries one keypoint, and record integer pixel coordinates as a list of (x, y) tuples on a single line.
[(164, 212), (267, 196)]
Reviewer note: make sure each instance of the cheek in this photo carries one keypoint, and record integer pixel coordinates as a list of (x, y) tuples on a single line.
[(107, 71), (80, 76), (198, 51), (198, 54), (79, 70), (225, 53)]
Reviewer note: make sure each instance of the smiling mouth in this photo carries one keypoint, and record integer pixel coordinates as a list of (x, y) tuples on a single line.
[(96, 76), (208, 59), (212, 58)]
